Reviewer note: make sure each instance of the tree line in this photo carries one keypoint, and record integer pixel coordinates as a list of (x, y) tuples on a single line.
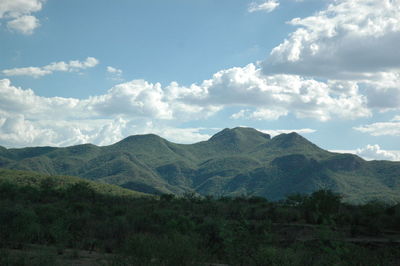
[(315, 229)]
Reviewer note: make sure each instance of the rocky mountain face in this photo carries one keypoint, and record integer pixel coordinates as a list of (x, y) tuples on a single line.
[(233, 162)]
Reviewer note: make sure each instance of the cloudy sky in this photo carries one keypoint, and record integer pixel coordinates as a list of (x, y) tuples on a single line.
[(74, 71)]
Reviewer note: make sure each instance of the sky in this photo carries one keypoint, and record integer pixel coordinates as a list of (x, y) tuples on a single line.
[(74, 71)]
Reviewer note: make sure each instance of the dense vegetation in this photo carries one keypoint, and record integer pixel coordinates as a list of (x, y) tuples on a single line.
[(234, 162), (37, 180), (316, 229)]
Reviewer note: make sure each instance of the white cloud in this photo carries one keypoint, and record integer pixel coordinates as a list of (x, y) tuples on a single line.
[(124, 110), (383, 91), (16, 8), (348, 40), (134, 99), (267, 6), (18, 13), (381, 128), (75, 64), (268, 97), (374, 152), (351, 47), (261, 97), (138, 98), (114, 73), (241, 114), (114, 70), (111, 132), (15, 100), (16, 131), (278, 95), (178, 135), (259, 114), (24, 24), (36, 72)]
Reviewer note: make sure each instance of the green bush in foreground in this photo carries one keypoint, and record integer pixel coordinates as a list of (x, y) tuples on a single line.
[(311, 229)]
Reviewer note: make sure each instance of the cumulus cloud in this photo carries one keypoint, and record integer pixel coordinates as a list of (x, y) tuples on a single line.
[(383, 91), (350, 40), (16, 131), (259, 114), (338, 63), (391, 128), (138, 98), (374, 152), (267, 6), (107, 118), (18, 14), (174, 134), (36, 72), (24, 24), (261, 97), (274, 96), (15, 100), (15, 8), (104, 119)]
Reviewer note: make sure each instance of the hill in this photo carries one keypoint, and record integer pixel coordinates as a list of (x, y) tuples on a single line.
[(33, 180), (238, 161)]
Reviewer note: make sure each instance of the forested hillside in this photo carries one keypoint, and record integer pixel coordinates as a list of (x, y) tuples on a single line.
[(234, 162)]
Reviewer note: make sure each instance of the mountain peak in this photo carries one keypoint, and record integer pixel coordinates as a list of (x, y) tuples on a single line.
[(234, 161), (239, 132), (287, 140), (141, 138), (239, 138), (141, 142)]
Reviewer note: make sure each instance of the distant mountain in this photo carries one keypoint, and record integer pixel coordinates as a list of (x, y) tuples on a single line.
[(238, 161)]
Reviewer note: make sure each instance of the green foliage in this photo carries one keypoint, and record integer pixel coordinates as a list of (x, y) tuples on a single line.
[(322, 206), (234, 162), (42, 258), (31, 181), (171, 249), (190, 230)]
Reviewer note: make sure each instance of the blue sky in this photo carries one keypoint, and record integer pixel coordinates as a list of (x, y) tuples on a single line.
[(75, 72)]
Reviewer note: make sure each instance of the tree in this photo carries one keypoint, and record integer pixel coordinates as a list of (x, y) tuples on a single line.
[(322, 206)]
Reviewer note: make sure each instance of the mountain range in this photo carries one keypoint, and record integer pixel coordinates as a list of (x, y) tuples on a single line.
[(233, 162)]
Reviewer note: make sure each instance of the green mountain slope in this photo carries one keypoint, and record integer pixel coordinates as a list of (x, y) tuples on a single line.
[(238, 161), (34, 179)]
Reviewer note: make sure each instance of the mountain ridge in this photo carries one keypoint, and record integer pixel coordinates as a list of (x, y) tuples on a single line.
[(238, 161)]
